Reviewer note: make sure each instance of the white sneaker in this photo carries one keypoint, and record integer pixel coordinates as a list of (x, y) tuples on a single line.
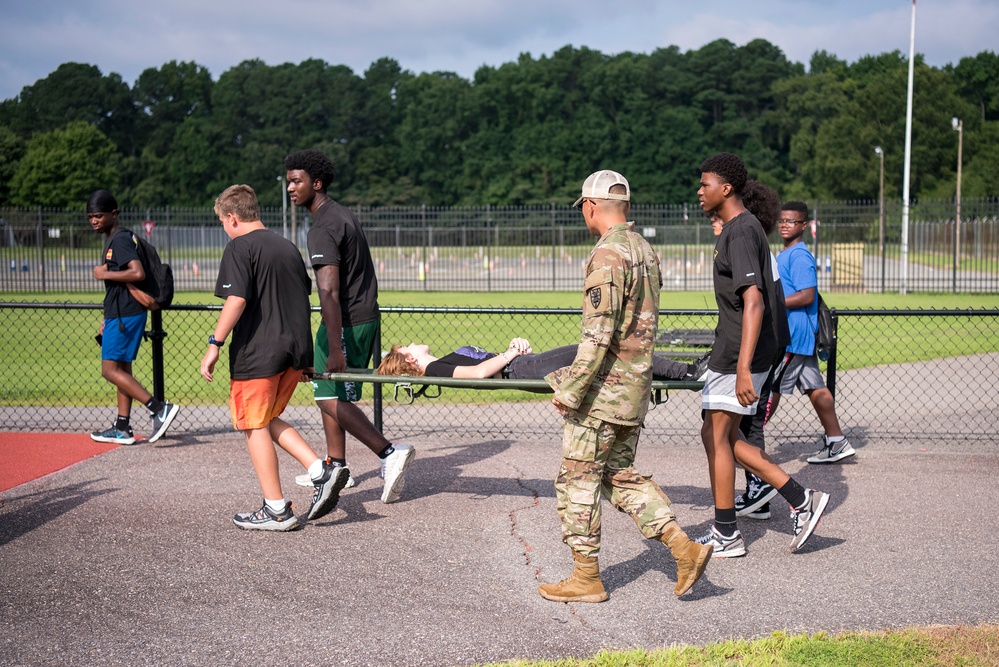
[(394, 472), (306, 481), (832, 452)]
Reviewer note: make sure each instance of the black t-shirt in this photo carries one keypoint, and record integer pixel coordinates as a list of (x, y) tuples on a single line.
[(119, 250), (743, 261), (463, 356), (274, 333), (336, 239)]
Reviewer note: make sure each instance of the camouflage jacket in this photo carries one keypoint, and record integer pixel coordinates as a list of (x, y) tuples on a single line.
[(611, 377)]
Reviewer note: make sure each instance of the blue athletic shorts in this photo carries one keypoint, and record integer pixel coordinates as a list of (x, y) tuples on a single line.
[(119, 345)]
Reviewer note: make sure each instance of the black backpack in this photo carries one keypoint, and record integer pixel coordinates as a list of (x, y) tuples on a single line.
[(158, 282), (825, 337)]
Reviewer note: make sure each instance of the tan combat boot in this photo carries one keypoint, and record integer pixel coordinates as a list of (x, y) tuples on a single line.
[(583, 586), (691, 557)]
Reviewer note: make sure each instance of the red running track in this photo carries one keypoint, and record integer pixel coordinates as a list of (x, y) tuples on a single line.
[(28, 456)]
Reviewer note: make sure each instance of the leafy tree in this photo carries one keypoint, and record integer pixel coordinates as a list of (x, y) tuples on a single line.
[(62, 167), (165, 97), (12, 149), (978, 82), (77, 92)]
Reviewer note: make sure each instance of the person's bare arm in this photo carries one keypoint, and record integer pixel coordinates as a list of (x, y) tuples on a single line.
[(800, 299), (752, 322), (492, 367)]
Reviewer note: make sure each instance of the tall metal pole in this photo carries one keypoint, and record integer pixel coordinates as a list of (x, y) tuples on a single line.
[(908, 156), (881, 215), (284, 206), (959, 128)]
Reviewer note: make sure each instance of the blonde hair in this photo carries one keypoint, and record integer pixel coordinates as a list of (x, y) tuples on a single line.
[(395, 363), (241, 201)]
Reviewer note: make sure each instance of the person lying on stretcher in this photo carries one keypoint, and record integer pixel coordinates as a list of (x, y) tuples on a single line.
[(518, 362)]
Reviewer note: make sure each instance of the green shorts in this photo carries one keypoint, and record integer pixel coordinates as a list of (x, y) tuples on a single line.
[(358, 342)]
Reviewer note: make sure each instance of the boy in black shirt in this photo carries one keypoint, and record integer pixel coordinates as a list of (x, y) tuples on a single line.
[(123, 324), (266, 290), (745, 350)]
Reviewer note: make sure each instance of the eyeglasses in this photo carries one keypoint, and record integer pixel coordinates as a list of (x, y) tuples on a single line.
[(792, 222)]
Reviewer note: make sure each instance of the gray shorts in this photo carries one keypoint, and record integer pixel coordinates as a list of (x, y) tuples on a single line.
[(719, 393), (798, 370)]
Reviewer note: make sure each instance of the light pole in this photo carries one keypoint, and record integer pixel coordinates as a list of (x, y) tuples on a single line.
[(881, 215), (958, 126)]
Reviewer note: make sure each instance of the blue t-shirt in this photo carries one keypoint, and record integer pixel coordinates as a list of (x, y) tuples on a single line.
[(797, 272)]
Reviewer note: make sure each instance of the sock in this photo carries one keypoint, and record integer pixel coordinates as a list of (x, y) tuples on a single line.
[(122, 424), (316, 469), (386, 452), (793, 493), (836, 438), (336, 462), (154, 405), (725, 522), (276, 505)]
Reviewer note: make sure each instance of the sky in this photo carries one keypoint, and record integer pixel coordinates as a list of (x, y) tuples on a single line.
[(127, 37)]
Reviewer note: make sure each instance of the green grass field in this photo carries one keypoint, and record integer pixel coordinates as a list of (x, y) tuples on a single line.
[(867, 340)]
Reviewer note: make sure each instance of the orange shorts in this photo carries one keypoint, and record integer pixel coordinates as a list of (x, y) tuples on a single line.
[(255, 403)]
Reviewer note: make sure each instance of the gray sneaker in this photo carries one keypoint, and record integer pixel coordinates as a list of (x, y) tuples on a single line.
[(724, 547), (805, 520), (161, 420), (833, 452), (267, 519), (394, 472)]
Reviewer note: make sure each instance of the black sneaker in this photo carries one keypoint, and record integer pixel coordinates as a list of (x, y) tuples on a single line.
[(115, 436), (267, 519), (162, 420), (328, 488), (754, 503)]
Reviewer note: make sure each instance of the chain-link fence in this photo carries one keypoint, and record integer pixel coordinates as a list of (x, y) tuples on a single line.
[(898, 374), (529, 247)]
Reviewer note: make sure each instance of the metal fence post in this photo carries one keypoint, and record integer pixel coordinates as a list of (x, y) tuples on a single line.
[(831, 364), (156, 336), (377, 386)]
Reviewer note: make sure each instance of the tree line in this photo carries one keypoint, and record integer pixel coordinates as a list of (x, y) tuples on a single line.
[(525, 132)]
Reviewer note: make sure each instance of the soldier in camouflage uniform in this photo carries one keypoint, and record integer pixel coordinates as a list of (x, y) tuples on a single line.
[(604, 396)]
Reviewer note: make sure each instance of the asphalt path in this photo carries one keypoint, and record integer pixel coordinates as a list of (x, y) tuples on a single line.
[(130, 558)]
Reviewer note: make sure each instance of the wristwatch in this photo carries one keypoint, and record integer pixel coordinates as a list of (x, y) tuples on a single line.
[(212, 341)]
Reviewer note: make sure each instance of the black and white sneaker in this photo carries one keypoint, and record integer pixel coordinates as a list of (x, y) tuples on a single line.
[(162, 420), (328, 488), (832, 452), (755, 502), (267, 519), (805, 519)]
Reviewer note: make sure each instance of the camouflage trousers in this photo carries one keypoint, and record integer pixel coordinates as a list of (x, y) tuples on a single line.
[(597, 463)]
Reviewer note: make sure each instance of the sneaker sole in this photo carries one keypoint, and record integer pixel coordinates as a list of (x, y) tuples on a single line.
[(392, 493), (165, 425), (306, 481), (592, 597), (810, 528), (729, 553), (113, 441), (328, 503), (758, 503), (833, 459), (759, 516), (272, 526)]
